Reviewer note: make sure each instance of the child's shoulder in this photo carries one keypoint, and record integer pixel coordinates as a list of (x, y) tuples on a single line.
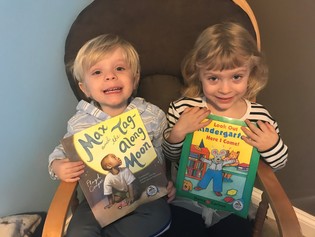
[(189, 100), (259, 112), (144, 106), (86, 115), (254, 106), (185, 102)]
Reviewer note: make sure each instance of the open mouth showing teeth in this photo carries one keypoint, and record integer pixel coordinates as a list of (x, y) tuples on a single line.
[(111, 90)]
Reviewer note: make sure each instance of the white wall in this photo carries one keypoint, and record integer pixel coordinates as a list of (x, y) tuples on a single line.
[(36, 97)]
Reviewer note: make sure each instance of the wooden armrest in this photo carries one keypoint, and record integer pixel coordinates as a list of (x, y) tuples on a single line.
[(246, 8), (288, 224), (58, 210)]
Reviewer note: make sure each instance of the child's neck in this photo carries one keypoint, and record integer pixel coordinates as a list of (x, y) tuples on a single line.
[(112, 112), (236, 112), (115, 170)]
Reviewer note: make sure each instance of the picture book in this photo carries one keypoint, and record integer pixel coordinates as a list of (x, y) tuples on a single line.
[(122, 170), (217, 167)]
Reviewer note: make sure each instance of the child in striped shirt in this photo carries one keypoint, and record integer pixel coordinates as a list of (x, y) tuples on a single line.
[(223, 74)]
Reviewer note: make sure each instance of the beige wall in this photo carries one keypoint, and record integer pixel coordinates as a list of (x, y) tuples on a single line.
[(288, 40)]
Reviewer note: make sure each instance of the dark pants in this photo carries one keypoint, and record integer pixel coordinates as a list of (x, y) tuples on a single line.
[(147, 220), (186, 223)]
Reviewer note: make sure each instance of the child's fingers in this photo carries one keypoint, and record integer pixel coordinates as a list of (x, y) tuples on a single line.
[(270, 128), (202, 112), (206, 122), (73, 175), (263, 136), (198, 112), (249, 140), (171, 191), (263, 126), (76, 169), (72, 179), (253, 128), (250, 135), (71, 171)]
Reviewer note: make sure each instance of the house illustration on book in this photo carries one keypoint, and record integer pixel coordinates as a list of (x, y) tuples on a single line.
[(196, 168), (217, 167)]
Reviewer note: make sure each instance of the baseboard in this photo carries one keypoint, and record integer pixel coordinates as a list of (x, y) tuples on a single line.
[(306, 220)]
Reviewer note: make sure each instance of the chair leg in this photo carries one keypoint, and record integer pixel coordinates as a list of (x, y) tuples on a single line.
[(260, 216)]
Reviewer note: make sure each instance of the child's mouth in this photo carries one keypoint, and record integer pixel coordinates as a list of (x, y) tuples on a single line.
[(225, 99), (112, 90)]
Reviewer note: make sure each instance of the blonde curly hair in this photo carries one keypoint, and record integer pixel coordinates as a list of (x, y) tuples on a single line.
[(224, 46)]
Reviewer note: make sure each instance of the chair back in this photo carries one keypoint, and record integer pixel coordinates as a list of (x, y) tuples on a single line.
[(162, 32)]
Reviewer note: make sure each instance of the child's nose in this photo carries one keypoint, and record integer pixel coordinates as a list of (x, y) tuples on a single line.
[(110, 76), (225, 87)]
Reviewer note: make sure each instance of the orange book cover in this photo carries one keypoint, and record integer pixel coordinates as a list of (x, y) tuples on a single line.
[(122, 169), (217, 167)]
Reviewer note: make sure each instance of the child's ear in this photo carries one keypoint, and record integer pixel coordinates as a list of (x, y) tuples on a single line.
[(136, 81), (83, 89), (106, 167)]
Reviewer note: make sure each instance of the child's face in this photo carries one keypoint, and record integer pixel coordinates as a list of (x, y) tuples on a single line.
[(112, 161), (110, 82), (225, 89)]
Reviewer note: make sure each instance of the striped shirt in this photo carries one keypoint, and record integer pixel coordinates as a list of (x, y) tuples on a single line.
[(88, 115), (276, 156)]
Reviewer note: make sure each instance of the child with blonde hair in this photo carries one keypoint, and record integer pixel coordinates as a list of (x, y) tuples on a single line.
[(107, 69), (223, 73)]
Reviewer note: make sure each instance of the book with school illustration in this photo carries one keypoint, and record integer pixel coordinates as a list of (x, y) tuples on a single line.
[(217, 167), (122, 170)]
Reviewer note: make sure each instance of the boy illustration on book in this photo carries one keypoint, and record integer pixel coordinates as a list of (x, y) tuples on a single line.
[(214, 171), (118, 183)]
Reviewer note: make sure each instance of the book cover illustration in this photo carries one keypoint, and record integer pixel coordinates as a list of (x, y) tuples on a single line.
[(122, 170), (217, 167)]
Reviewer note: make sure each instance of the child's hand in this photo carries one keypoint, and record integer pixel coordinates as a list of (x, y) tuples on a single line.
[(262, 137), (129, 200), (67, 170), (171, 191), (190, 120)]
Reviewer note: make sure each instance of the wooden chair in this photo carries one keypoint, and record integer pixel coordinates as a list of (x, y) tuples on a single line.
[(162, 32)]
